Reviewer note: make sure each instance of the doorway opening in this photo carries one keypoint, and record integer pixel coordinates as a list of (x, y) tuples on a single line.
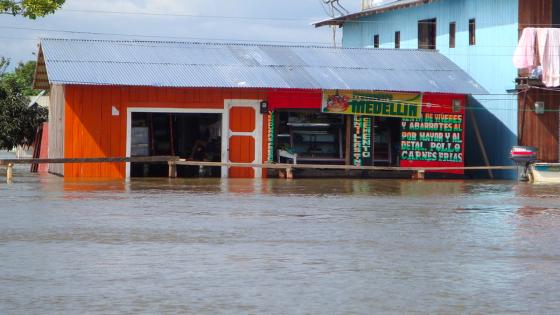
[(387, 140), (191, 136)]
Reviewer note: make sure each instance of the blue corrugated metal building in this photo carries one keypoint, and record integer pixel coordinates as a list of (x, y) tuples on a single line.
[(486, 57)]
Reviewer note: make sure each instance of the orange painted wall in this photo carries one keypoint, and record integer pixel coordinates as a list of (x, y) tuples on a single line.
[(92, 131)]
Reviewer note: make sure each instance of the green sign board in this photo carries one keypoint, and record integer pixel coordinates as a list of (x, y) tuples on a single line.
[(383, 104), (362, 148)]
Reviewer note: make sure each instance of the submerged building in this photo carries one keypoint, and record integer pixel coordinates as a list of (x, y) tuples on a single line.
[(249, 103), (479, 36)]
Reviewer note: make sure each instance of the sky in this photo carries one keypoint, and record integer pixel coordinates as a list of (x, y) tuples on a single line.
[(268, 21)]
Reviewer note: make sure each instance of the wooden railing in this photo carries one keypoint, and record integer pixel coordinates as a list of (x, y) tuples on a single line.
[(143, 159), (286, 169), (9, 163)]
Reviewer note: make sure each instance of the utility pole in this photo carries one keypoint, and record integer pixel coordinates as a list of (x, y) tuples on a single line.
[(334, 9)]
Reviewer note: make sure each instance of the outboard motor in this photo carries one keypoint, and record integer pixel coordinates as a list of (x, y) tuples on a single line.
[(523, 157)]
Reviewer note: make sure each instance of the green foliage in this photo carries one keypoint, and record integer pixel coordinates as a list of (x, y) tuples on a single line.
[(4, 63), (18, 122), (22, 77), (30, 8)]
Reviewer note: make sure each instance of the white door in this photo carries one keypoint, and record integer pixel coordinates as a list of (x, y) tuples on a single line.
[(242, 129)]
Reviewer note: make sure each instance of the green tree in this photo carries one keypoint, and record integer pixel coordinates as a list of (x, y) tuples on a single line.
[(30, 8), (18, 121), (22, 77), (4, 63)]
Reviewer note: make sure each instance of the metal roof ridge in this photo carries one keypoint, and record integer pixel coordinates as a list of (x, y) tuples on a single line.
[(209, 43), (240, 65), (202, 43)]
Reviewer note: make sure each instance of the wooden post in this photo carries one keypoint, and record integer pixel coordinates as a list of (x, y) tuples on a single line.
[(480, 142), (172, 169), (347, 153), (171, 135), (289, 173), (10, 173), (419, 175)]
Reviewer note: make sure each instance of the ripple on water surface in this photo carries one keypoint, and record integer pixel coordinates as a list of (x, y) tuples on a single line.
[(276, 246)]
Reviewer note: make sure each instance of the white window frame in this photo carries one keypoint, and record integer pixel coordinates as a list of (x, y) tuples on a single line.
[(130, 110)]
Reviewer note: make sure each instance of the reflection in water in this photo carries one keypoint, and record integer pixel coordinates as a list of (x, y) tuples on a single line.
[(533, 211), (277, 246)]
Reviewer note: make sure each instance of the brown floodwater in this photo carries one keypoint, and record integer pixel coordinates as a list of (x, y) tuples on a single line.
[(210, 246)]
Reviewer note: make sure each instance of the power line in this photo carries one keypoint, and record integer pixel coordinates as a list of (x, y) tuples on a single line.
[(450, 53), (147, 13), (185, 15), (328, 10), (17, 38), (158, 36)]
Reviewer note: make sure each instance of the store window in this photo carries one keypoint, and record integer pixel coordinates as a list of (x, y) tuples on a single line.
[(376, 41), (397, 39), (314, 137)]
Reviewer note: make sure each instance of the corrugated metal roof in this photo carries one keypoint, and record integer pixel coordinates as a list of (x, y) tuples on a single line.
[(184, 64), (380, 8)]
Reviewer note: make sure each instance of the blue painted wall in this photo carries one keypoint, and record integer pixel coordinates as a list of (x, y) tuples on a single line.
[(489, 62)]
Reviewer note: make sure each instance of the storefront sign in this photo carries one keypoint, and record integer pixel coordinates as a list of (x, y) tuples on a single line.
[(270, 126), (362, 149), (386, 104), (432, 138)]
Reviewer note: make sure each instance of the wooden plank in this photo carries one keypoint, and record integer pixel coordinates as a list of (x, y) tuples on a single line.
[(69, 114), (535, 13), (10, 173), (95, 135), (173, 161), (123, 100), (338, 167), (105, 109), (79, 127), (136, 159), (77, 132), (56, 125), (540, 130), (114, 131)]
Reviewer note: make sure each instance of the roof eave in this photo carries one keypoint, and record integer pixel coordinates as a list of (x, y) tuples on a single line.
[(378, 10), (331, 22), (41, 77)]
